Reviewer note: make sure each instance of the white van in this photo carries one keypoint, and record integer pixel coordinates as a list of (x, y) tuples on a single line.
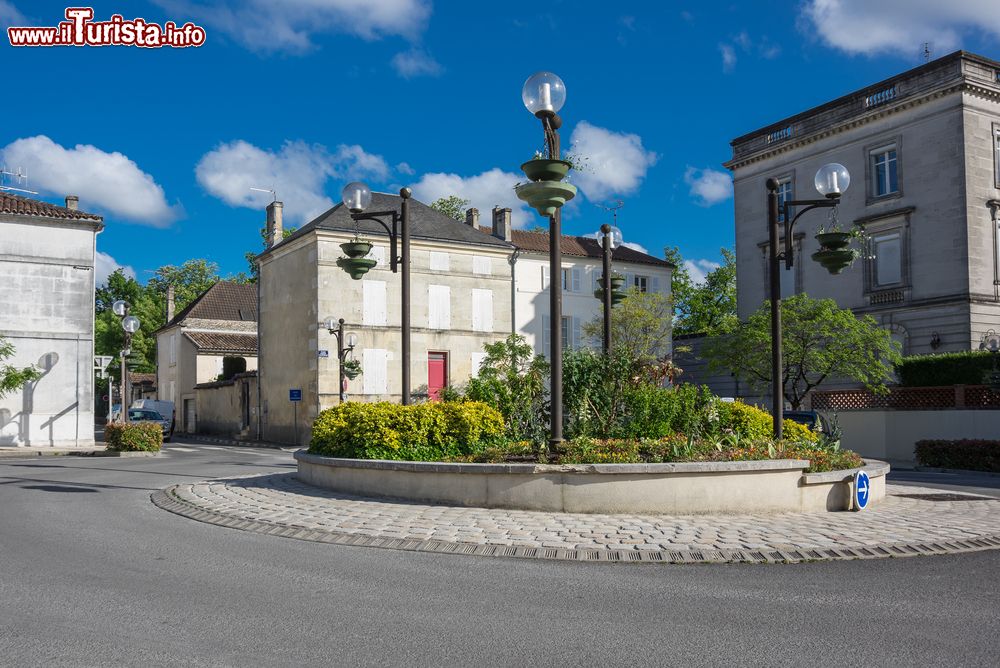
[(164, 408)]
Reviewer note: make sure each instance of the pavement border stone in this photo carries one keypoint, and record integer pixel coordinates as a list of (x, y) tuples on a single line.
[(213, 506)]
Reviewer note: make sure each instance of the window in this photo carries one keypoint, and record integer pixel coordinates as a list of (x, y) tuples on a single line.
[(888, 263), (375, 364), (570, 332), (785, 188), (642, 282), (482, 310), (439, 261), (173, 349), (481, 265), (787, 281), (438, 307), (884, 171), (571, 279), (373, 302)]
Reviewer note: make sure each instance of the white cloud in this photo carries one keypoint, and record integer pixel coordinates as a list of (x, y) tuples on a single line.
[(290, 25), (708, 186), (110, 182), (484, 191), (416, 63), (728, 57), (615, 162), (9, 16), (901, 26), (404, 168), (298, 173), (699, 269), (106, 265)]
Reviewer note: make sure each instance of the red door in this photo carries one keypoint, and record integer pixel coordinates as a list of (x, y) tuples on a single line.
[(437, 373)]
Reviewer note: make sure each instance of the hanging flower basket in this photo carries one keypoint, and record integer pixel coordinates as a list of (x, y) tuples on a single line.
[(834, 240), (541, 169), (356, 248), (356, 266), (545, 197), (617, 280), (834, 261), (352, 369), (617, 296)]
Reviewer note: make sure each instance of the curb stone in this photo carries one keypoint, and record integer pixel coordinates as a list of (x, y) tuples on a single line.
[(169, 500)]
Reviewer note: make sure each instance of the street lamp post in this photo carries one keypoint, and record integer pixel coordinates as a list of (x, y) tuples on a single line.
[(611, 238), (336, 328), (130, 325), (543, 95), (831, 182), (357, 197)]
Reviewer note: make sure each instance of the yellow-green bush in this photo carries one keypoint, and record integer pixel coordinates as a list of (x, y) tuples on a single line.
[(133, 436), (755, 424), (421, 432)]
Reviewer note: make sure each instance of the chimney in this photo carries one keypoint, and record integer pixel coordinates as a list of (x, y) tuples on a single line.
[(170, 303), (274, 234), (472, 218), (72, 202), (501, 223)]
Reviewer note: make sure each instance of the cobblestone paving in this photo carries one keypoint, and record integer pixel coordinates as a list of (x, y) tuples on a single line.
[(899, 526)]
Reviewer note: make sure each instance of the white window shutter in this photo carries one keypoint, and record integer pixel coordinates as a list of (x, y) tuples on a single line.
[(481, 265), (377, 253), (482, 310), (477, 363), (439, 307), (654, 284), (577, 280), (375, 366), (546, 334), (593, 279), (576, 332), (440, 261), (545, 278), (629, 280), (373, 303)]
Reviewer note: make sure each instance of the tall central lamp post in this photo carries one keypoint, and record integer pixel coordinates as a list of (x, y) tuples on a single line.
[(608, 294), (543, 95), (357, 197), (831, 182), (130, 325)]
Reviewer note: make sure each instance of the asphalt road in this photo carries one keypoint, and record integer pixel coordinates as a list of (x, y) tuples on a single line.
[(91, 573)]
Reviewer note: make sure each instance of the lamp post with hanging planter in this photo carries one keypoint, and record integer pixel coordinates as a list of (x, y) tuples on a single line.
[(610, 293), (357, 197)]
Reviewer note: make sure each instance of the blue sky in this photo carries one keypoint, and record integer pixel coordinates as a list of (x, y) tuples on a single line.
[(305, 95)]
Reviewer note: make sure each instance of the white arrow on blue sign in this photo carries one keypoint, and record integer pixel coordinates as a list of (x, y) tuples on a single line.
[(862, 490)]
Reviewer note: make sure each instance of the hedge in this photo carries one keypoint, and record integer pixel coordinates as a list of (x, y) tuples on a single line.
[(133, 436), (972, 455), (965, 368), (420, 432)]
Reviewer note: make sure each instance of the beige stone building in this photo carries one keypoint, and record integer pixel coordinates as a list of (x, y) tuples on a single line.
[(923, 150), (460, 300), (47, 313), (191, 347)]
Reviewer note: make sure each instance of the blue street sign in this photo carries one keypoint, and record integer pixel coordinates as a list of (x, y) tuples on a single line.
[(862, 490), (295, 395)]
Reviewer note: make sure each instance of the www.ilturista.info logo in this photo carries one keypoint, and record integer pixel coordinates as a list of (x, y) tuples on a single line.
[(81, 30)]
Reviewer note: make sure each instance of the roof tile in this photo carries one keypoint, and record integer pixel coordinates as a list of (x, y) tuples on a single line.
[(23, 206)]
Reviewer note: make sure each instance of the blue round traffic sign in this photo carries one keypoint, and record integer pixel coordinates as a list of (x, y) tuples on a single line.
[(862, 490)]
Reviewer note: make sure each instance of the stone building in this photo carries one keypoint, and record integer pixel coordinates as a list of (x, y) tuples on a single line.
[(47, 314), (923, 150), (459, 300), (192, 346)]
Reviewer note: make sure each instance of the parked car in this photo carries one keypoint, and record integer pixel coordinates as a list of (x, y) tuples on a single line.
[(810, 419), (144, 415), (164, 408)]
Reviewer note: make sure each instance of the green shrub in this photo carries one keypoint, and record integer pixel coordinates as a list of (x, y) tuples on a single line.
[(420, 432), (133, 436), (973, 455), (965, 368)]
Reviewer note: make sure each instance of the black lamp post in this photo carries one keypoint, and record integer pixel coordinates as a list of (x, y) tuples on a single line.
[(336, 328), (611, 238), (831, 181), (357, 197), (130, 325), (543, 95)]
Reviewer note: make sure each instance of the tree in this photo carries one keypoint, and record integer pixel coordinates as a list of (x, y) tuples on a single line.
[(708, 307), (820, 342), (452, 206), (640, 326), (11, 377), (251, 275)]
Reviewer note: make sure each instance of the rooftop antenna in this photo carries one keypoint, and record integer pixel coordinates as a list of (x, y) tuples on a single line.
[(274, 195), (614, 209), (927, 52), (19, 177)]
